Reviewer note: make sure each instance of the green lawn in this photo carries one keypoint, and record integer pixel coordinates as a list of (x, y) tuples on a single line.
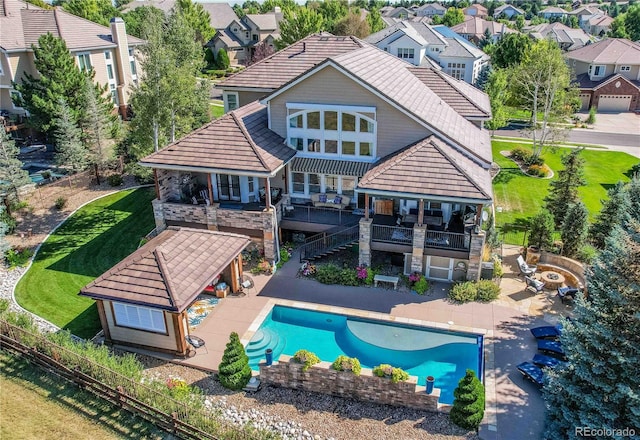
[(217, 108), (521, 196), (91, 241)]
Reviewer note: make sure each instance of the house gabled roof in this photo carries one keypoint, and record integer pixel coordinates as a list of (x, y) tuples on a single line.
[(411, 28), (500, 9), (429, 168), (164, 5), (266, 22), (553, 10), (477, 26), (600, 20), (239, 141), (396, 84), (461, 96), (220, 14), (170, 270), (458, 45), (434, 6), (560, 33), (608, 51), (286, 64), (21, 26), (585, 83)]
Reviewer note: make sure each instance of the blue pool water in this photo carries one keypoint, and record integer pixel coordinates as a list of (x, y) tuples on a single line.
[(35, 173), (420, 351)]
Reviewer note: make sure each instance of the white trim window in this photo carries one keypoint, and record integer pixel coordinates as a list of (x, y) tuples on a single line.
[(305, 184), (597, 71), (84, 61), (333, 131), (406, 53), (138, 317), (231, 101), (625, 68), (133, 67), (111, 76), (456, 70)]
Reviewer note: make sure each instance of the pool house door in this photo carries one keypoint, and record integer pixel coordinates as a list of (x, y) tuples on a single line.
[(228, 187)]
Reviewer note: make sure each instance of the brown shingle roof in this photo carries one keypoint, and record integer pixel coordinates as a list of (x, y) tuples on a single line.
[(170, 270), (608, 51), (429, 168), (287, 64), (461, 96), (21, 28), (238, 141)]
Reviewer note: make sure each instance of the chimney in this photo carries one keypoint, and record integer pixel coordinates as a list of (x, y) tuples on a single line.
[(121, 64), (277, 9)]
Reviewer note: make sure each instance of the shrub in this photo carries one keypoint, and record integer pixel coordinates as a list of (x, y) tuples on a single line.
[(395, 374), (143, 175), (487, 291), (468, 404), (222, 59), (328, 273), (421, 286), (346, 363), (534, 160), (371, 273), (307, 358), (497, 267), (520, 153), (18, 257), (8, 221), (46, 174), (587, 254), (591, 119), (538, 170), (4, 305), (463, 292), (60, 203), (180, 390), (234, 372), (115, 180)]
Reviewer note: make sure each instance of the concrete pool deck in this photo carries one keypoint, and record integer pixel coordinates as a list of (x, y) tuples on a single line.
[(515, 408)]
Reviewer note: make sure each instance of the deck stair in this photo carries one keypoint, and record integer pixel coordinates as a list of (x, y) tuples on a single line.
[(328, 242)]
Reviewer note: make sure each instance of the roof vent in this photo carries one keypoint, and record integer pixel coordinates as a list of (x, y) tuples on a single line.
[(304, 46)]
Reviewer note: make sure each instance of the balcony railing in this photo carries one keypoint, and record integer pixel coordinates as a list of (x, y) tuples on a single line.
[(392, 234), (326, 216)]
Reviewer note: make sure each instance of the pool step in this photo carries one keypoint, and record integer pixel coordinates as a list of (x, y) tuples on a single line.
[(263, 339)]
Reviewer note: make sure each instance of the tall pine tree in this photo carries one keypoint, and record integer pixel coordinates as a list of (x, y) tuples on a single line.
[(574, 229), (12, 176), (564, 189), (608, 216), (68, 140), (59, 78), (600, 387), (97, 122)]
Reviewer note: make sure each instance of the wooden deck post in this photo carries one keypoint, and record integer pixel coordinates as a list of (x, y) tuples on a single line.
[(210, 187), (420, 212), (157, 185), (267, 194), (366, 206)]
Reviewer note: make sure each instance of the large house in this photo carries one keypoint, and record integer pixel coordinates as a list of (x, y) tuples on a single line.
[(423, 45), (475, 29), (592, 20), (241, 36), (332, 135), (507, 11), (431, 10), (608, 73), (553, 12), (220, 14), (110, 52), (476, 11), (566, 37)]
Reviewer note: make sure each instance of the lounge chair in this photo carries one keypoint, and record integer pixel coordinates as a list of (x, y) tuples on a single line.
[(553, 348), (567, 292), (547, 331), (532, 373), (525, 269), (542, 360), (532, 283)]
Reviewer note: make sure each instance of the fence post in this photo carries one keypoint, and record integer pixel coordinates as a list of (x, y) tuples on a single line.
[(174, 422), (120, 396)]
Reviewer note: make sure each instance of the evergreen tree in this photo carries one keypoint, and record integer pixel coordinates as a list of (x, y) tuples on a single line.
[(575, 228), (222, 59), (492, 238), (599, 387), (4, 229), (564, 189), (96, 122), (375, 21), (59, 78), (498, 93), (234, 371), (611, 211), (12, 176), (68, 140), (468, 404), (298, 24), (541, 230)]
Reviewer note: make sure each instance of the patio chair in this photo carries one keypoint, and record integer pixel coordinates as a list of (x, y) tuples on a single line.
[(542, 360), (196, 342), (247, 283), (553, 348), (537, 286), (532, 372), (567, 293), (525, 269), (547, 331)]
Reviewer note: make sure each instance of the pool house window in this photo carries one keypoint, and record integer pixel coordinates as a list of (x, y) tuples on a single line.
[(332, 131), (138, 317), (305, 184)]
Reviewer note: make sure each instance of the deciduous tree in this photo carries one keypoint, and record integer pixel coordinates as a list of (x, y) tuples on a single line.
[(135, 19), (298, 24), (563, 191), (509, 50), (198, 18), (98, 11), (375, 21), (498, 91), (599, 385), (352, 24), (452, 17), (541, 84), (262, 51)]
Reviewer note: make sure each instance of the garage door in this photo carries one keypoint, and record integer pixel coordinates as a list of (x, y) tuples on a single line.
[(614, 103), (585, 99)]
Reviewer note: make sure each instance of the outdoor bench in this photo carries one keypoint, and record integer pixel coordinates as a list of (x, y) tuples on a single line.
[(386, 279)]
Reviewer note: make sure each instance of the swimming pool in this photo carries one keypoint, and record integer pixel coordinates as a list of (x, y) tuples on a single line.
[(35, 173), (420, 351)]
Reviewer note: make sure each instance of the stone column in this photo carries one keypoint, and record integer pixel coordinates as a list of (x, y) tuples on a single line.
[(211, 212), (475, 256), (158, 214), (419, 233), (364, 257)]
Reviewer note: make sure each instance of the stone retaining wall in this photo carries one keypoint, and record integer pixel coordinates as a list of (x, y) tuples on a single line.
[(574, 269), (321, 378)]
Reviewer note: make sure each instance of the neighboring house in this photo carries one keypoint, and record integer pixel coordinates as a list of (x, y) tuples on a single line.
[(508, 11), (552, 12), (431, 10), (110, 52), (566, 37), (399, 13), (143, 300), (474, 29), (599, 25), (241, 36), (420, 44), (587, 15), (476, 11), (220, 14), (608, 73), (336, 135)]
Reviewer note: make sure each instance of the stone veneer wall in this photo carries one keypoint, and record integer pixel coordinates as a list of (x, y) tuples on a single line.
[(573, 266), (475, 256), (321, 378), (184, 213)]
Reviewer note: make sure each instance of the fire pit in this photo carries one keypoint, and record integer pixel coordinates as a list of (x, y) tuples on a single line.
[(552, 280)]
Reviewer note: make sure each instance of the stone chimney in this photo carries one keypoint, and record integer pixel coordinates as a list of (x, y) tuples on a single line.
[(122, 66)]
